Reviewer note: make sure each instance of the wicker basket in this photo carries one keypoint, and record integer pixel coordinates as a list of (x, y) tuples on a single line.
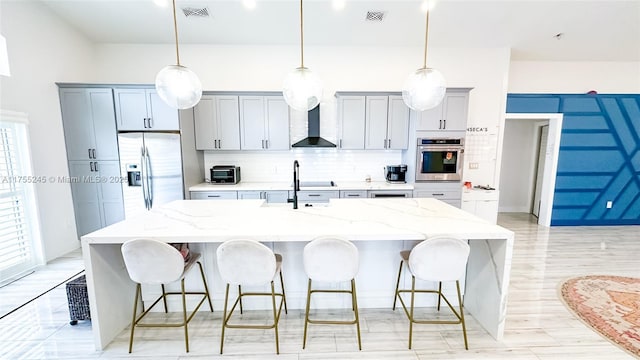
[(78, 300)]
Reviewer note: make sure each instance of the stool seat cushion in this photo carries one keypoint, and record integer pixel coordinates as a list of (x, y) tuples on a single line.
[(439, 259), (331, 260), (246, 262), (151, 261)]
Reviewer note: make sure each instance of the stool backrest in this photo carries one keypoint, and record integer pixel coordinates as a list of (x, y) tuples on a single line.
[(331, 259), (245, 262), (439, 259), (152, 262)]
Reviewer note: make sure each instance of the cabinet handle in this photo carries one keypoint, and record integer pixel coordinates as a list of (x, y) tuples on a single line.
[(353, 195), (91, 166), (89, 150), (445, 123), (95, 165), (340, 144), (437, 194), (93, 152), (314, 195), (219, 144), (389, 144), (263, 144), (144, 122), (150, 121), (440, 127), (266, 143), (213, 196)]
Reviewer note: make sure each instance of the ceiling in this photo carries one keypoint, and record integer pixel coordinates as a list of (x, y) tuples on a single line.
[(539, 30)]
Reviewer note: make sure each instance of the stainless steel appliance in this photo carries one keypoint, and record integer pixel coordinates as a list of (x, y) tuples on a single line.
[(225, 174), (395, 173), (152, 165), (439, 159)]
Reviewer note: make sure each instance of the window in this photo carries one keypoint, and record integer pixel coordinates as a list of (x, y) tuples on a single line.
[(19, 250)]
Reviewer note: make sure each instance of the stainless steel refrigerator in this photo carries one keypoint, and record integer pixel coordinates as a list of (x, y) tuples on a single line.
[(151, 166)]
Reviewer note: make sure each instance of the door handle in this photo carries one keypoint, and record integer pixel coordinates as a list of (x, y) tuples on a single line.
[(440, 127), (266, 143), (143, 177), (95, 165), (263, 144), (444, 123), (91, 166), (150, 120), (340, 143), (389, 144), (89, 151), (144, 122), (93, 151), (149, 176)]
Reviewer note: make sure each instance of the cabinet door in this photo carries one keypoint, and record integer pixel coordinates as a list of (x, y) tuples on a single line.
[(86, 201), (252, 123), (110, 187), (104, 124), (398, 124), (488, 210), (161, 116), (351, 114), (376, 122), (430, 119), (227, 122), (277, 196), (131, 109), (244, 195), (204, 121), (78, 127), (214, 195), (352, 194), (277, 118), (455, 109)]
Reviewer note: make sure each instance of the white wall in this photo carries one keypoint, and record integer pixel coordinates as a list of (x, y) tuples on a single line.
[(574, 77), (42, 51), (518, 166)]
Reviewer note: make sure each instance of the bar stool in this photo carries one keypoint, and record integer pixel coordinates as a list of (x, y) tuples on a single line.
[(435, 259), (154, 262), (246, 262), (331, 260)]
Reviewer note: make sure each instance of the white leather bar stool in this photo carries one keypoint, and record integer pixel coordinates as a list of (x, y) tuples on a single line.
[(154, 262), (331, 260), (436, 259), (244, 262)]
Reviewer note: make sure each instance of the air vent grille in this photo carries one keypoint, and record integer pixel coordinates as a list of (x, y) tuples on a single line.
[(375, 15), (195, 12)]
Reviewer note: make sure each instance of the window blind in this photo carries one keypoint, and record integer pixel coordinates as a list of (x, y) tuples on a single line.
[(16, 204)]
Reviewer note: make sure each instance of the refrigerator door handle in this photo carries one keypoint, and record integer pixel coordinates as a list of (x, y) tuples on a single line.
[(149, 181), (143, 177)]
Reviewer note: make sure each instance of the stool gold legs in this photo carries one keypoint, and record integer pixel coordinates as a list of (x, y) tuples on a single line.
[(354, 307), (135, 321), (410, 311), (276, 312)]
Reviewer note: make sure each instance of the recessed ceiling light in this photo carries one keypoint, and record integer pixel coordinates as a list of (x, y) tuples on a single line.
[(338, 4), (161, 3), (249, 4), (428, 5)]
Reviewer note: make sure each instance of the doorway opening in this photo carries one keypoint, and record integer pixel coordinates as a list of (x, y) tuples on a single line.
[(530, 149)]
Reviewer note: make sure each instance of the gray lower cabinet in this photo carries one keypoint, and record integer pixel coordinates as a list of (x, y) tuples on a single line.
[(214, 195), (390, 193), (272, 196), (447, 195), (353, 194), (97, 194), (311, 196)]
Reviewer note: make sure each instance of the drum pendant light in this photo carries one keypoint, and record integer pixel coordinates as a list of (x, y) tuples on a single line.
[(425, 88), (178, 86), (302, 89)]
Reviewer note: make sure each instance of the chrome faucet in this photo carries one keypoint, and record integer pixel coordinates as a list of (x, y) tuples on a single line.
[(296, 184)]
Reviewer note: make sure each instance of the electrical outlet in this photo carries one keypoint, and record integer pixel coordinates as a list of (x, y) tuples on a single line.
[(473, 165), (609, 204)]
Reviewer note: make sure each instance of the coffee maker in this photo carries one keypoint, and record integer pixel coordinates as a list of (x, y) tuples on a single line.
[(395, 173)]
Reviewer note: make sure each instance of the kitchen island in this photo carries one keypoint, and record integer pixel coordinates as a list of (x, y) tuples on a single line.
[(380, 228)]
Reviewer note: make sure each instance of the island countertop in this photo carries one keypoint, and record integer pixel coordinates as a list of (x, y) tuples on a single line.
[(354, 219)]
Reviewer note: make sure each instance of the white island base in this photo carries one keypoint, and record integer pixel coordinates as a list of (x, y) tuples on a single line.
[(380, 228)]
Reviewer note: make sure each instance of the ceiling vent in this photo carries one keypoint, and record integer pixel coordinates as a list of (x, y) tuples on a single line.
[(196, 12), (375, 15)]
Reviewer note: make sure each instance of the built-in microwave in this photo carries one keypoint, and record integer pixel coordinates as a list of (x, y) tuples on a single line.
[(439, 159)]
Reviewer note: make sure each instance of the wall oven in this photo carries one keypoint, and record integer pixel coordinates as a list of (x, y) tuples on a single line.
[(439, 159)]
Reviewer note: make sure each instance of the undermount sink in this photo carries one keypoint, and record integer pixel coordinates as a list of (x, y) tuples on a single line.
[(302, 205), (328, 183)]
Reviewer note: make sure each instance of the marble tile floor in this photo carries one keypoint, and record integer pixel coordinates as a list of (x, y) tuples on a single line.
[(538, 325)]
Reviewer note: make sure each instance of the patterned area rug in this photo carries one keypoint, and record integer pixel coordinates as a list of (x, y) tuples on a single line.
[(609, 304)]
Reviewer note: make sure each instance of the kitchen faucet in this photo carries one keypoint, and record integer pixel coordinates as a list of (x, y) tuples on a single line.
[(296, 184)]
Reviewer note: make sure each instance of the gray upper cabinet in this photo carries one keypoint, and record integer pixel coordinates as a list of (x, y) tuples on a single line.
[(450, 115), (89, 123), (217, 123), (373, 122), (143, 110), (351, 112), (264, 123)]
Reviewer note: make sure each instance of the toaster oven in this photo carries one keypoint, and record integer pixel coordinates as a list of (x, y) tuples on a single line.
[(225, 174)]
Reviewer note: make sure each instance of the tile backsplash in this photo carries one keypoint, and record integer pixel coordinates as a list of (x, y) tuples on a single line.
[(315, 164)]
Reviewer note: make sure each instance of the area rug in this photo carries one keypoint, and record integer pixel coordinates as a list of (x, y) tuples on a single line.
[(608, 304)]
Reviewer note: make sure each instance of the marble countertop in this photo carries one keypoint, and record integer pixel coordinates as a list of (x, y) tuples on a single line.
[(354, 219), (274, 186)]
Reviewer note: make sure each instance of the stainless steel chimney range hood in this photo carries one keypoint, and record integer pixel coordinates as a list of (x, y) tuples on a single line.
[(313, 139)]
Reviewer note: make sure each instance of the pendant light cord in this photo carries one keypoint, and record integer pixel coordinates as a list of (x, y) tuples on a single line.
[(175, 29), (426, 39), (301, 37)]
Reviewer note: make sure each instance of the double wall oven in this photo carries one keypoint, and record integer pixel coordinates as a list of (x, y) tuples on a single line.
[(439, 159)]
